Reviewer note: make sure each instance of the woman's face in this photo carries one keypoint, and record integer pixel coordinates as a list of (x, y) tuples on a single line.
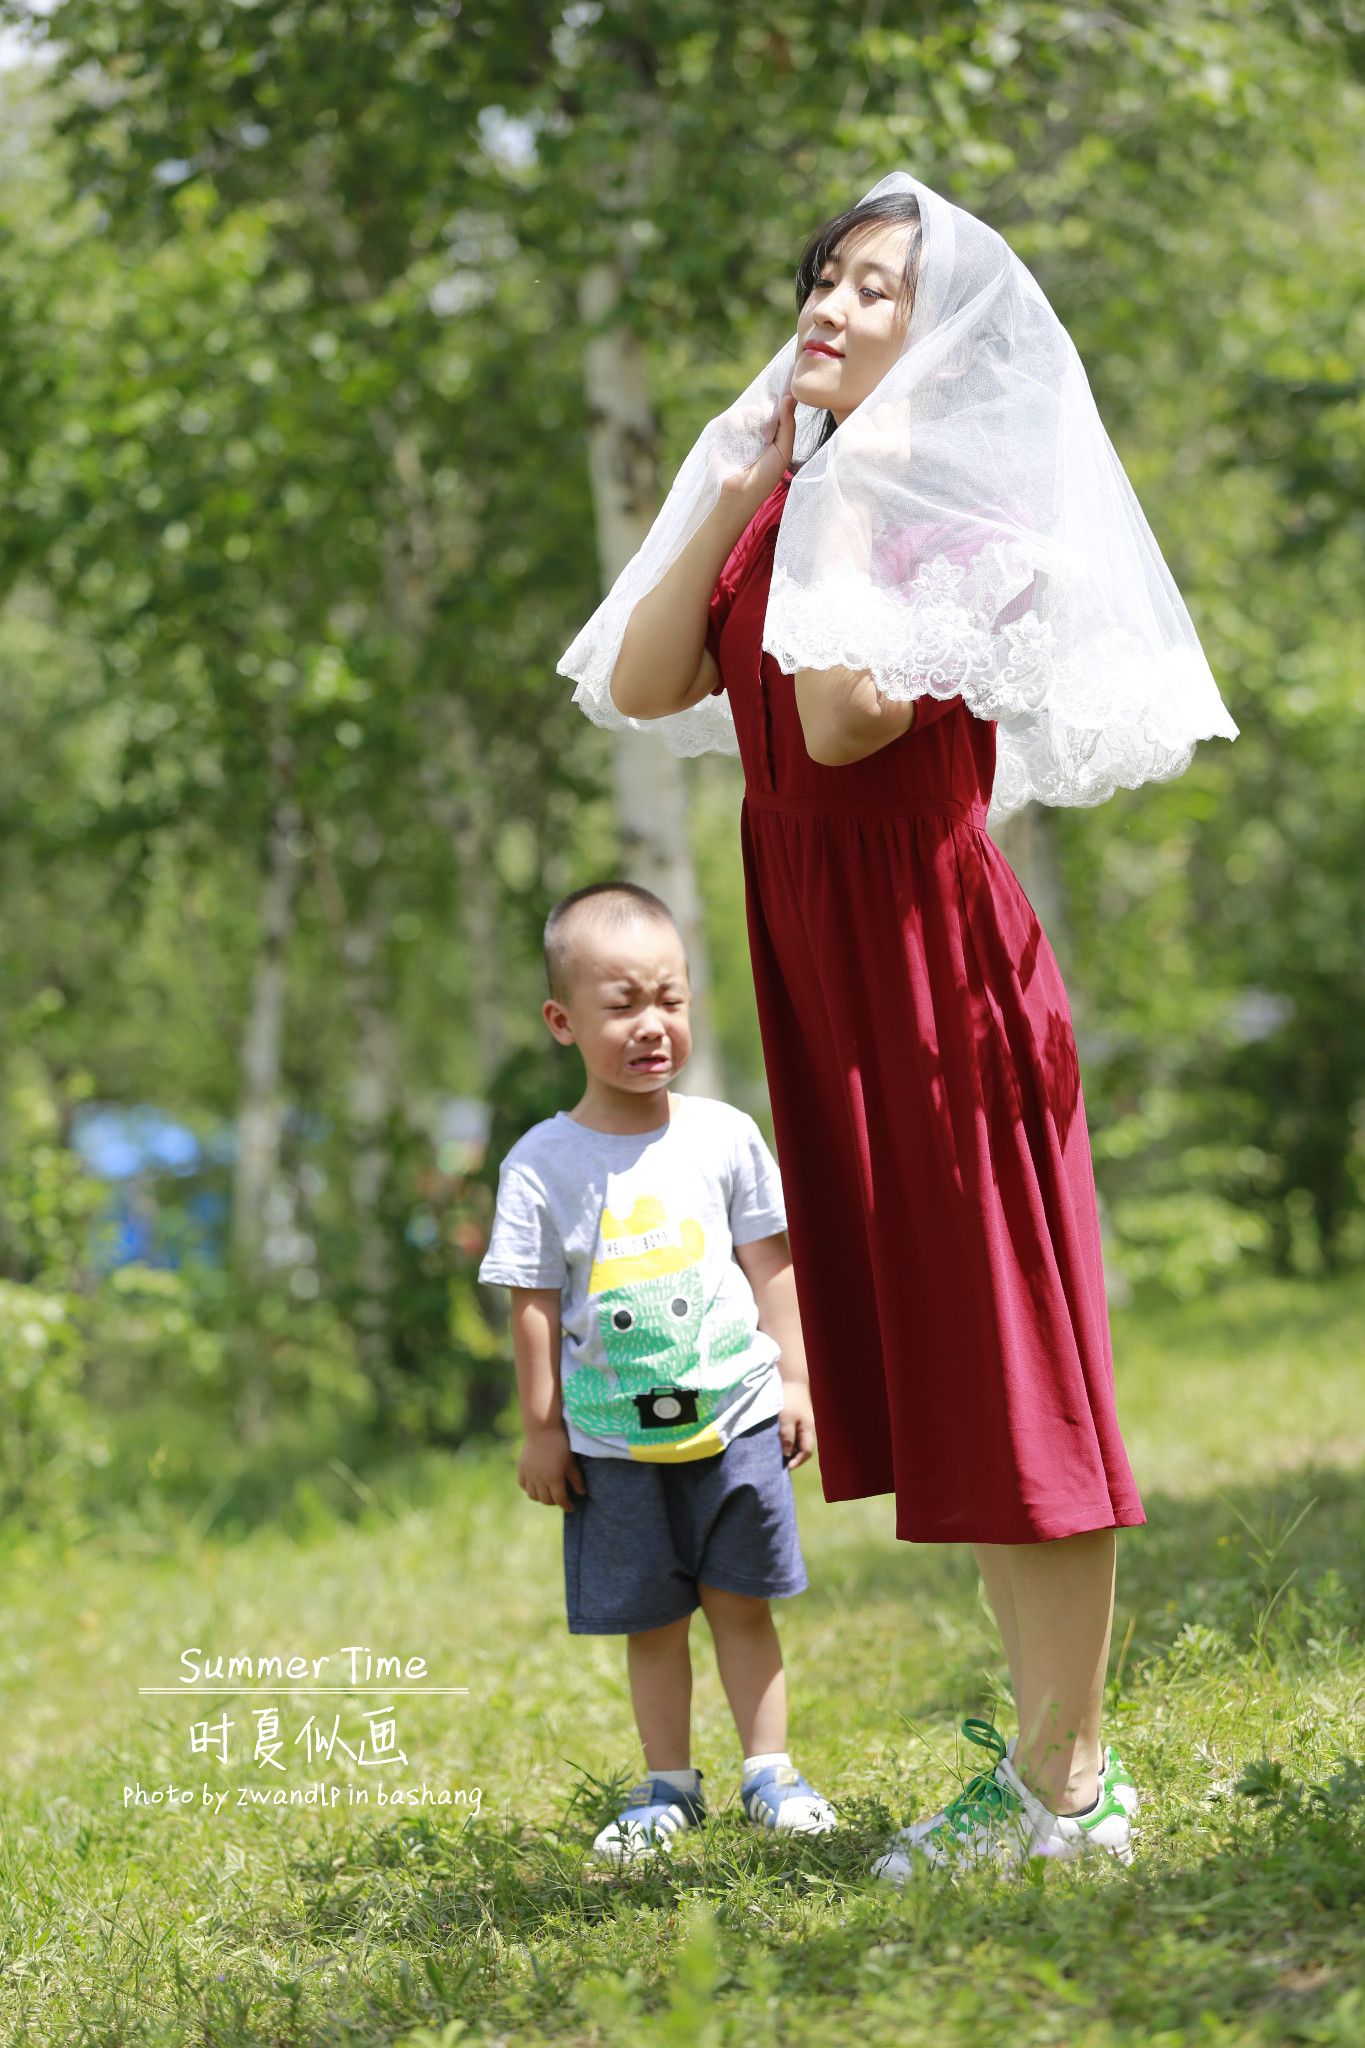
[(851, 328)]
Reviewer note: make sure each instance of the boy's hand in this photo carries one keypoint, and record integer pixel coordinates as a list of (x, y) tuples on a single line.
[(547, 1468), (797, 1425)]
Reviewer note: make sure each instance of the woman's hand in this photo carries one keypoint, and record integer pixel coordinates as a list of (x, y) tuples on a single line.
[(761, 478)]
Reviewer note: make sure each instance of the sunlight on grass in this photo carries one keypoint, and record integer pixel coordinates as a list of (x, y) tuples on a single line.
[(1236, 1692)]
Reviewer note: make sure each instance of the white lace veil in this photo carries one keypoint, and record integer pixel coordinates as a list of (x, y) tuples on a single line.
[(967, 531)]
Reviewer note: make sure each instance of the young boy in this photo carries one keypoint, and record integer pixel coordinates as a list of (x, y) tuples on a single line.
[(659, 1363)]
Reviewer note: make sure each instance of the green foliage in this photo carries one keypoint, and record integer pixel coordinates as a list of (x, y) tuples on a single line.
[(448, 1377), (195, 1331), (48, 1202), (1234, 1695), (132, 1393), (219, 1399), (297, 522), (51, 1445)]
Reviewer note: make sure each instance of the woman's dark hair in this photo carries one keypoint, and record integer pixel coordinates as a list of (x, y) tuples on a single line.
[(893, 211)]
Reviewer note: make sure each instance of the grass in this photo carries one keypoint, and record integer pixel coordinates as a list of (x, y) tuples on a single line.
[(1236, 1691)]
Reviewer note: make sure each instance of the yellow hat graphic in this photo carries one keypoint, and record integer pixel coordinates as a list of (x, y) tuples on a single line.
[(643, 1245)]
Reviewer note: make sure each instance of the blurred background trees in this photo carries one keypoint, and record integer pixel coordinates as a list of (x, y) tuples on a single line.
[(311, 320)]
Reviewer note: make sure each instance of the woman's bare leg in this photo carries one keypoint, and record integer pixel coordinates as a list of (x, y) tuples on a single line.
[(1064, 1612), (1058, 1602), (993, 1563)]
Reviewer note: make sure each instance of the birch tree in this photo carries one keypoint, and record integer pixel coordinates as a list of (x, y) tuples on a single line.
[(651, 798)]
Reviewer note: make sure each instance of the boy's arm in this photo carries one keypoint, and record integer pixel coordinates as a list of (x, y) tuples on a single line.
[(767, 1265), (547, 1466)]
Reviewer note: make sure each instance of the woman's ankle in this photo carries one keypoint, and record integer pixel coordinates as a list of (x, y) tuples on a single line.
[(1074, 1793)]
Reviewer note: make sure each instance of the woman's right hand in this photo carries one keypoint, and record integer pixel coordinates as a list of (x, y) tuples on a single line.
[(763, 476)]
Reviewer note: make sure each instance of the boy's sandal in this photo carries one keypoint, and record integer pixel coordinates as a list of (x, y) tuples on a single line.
[(780, 1798), (654, 1812)]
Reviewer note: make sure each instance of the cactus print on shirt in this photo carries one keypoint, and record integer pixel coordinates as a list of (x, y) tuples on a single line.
[(661, 1357)]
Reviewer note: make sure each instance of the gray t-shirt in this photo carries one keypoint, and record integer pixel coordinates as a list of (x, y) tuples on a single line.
[(662, 1359)]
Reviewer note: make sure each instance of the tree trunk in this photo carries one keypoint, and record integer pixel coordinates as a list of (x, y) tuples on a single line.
[(472, 836), (372, 1099), (260, 1107), (651, 801), (453, 775), (468, 817)]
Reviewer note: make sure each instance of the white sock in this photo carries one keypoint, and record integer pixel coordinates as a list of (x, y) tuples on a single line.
[(681, 1781), (754, 1764)]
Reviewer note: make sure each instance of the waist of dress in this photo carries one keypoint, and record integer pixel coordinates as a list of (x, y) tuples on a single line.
[(835, 806)]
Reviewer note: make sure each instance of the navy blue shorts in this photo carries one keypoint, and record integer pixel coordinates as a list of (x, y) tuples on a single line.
[(643, 1536)]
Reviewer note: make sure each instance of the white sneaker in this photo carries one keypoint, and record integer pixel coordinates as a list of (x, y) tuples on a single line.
[(1114, 1777), (995, 1818), (1063, 1836), (982, 1822), (985, 1736)]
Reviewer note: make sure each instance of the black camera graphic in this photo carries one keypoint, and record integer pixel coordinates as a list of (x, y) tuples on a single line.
[(666, 1407)]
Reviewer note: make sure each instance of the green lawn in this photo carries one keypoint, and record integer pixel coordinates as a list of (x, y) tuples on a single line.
[(1238, 1700)]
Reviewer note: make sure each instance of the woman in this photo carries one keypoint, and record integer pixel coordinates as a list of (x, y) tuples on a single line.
[(953, 602)]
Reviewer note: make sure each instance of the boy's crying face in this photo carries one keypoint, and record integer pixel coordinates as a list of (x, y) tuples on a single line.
[(628, 1005)]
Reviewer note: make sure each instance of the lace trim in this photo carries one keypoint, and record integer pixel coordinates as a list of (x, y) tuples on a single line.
[(1069, 732), (705, 728)]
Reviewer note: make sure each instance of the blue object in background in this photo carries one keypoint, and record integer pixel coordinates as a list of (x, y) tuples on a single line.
[(138, 1150)]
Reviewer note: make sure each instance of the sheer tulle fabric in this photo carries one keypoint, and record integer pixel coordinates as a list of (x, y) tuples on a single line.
[(967, 531)]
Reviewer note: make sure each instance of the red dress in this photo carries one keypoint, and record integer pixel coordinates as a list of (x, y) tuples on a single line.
[(927, 1108)]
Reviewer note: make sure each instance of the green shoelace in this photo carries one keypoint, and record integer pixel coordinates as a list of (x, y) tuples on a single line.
[(981, 1800)]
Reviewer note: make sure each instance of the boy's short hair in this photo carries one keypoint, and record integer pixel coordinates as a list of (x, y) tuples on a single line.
[(615, 904)]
